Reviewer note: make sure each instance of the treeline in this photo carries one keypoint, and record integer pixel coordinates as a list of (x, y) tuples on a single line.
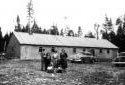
[(106, 31), (53, 30), (116, 37)]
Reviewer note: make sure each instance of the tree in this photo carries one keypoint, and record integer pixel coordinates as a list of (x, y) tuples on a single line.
[(54, 30), (96, 28), (25, 28), (89, 35), (36, 28), (6, 41), (108, 27), (1, 41), (18, 26), (79, 31), (118, 21), (76, 35), (66, 31), (124, 25), (61, 32), (112, 37), (70, 33), (30, 14), (120, 31), (44, 31), (120, 37)]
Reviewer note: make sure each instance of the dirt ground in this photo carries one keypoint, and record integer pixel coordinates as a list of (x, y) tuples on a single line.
[(28, 73)]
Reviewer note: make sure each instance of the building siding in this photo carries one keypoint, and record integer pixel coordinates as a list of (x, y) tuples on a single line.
[(32, 52)]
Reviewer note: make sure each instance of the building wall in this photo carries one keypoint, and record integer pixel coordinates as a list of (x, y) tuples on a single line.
[(32, 52), (13, 48), (105, 54)]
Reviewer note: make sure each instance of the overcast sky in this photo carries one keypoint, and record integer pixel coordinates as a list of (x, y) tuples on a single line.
[(82, 13)]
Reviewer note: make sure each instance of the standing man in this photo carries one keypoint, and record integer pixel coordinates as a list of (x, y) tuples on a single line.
[(63, 59), (43, 59)]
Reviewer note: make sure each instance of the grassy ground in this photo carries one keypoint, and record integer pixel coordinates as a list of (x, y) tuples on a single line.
[(28, 73)]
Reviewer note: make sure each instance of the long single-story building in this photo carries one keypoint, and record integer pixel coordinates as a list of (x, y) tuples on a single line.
[(26, 46)]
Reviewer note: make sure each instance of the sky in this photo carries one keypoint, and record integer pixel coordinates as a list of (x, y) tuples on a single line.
[(71, 13)]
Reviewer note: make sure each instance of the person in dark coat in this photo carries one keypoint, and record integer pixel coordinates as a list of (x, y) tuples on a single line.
[(63, 59), (48, 59)]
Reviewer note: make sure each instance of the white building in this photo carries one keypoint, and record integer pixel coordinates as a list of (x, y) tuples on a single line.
[(26, 46)]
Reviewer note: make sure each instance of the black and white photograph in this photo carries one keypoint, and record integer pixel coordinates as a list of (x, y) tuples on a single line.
[(62, 42)]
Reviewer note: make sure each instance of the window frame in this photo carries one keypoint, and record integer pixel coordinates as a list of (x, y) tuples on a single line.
[(74, 50), (100, 51), (108, 51)]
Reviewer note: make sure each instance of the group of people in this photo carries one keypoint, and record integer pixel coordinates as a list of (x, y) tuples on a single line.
[(53, 60)]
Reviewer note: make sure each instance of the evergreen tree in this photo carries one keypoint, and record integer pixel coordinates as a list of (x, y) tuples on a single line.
[(76, 35), (54, 30), (30, 14), (70, 33), (61, 32), (112, 37), (25, 28), (1, 41), (36, 28), (108, 27), (79, 31), (6, 41), (18, 27), (89, 35), (124, 25), (44, 31), (120, 31), (120, 37)]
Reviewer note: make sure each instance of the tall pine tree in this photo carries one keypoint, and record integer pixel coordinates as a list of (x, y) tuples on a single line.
[(18, 26), (107, 28), (79, 31), (30, 11)]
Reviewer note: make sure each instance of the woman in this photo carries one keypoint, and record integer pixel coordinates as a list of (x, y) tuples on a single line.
[(63, 59), (55, 57)]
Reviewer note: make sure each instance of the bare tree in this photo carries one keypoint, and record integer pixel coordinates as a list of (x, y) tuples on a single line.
[(96, 28)]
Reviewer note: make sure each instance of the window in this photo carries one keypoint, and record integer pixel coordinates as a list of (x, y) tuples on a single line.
[(93, 52), (74, 50), (100, 50), (84, 49), (53, 49), (108, 51)]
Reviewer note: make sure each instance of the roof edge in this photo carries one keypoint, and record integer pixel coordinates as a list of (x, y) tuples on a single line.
[(68, 46)]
